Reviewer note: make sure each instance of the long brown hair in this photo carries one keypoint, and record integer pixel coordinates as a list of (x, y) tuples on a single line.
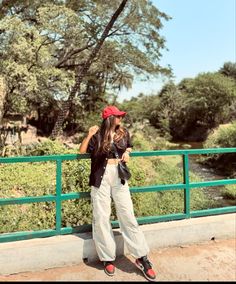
[(104, 138)]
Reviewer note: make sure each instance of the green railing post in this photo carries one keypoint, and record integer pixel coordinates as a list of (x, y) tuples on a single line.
[(187, 187), (58, 196)]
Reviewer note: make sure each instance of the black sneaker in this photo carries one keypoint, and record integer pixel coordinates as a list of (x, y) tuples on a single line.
[(109, 268), (146, 267)]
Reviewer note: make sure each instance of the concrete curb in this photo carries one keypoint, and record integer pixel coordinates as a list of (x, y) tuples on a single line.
[(59, 251)]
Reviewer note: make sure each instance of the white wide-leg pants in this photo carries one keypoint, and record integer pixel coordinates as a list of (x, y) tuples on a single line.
[(103, 236)]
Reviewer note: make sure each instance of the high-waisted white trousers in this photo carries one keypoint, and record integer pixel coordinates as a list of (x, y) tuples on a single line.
[(111, 187)]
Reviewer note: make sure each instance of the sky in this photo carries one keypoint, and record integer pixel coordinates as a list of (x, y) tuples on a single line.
[(200, 37)]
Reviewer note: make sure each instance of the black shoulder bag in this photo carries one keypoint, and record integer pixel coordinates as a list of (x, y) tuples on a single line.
[(123, 170)]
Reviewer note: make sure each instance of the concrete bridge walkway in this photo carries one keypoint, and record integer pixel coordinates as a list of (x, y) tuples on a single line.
[(208, 261), (197, 249)]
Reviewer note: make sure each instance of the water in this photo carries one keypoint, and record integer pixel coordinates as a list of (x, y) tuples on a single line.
[(207, 174)]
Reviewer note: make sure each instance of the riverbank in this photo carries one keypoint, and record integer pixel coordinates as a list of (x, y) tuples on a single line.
[(220, 194)]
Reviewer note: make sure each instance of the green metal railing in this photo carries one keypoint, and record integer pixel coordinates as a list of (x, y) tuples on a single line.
[(59, 196)]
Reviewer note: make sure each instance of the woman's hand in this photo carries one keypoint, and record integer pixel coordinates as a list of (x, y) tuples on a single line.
[(125, 157), (84, 145), (93, 130)]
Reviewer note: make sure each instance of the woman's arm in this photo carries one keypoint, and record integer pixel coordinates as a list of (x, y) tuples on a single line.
[(84, 145), (125, 156), (128, 150)]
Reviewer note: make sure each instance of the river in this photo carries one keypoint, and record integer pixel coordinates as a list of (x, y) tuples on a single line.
[(207, 174)]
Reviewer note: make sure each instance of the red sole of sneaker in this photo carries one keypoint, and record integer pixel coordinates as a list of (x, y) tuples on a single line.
[(140, 268)]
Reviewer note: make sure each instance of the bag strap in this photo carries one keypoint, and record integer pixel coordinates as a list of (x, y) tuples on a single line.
[(117, 157), (115, 150)]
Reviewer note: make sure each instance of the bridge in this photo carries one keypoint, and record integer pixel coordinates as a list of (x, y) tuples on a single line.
[(44, 249)]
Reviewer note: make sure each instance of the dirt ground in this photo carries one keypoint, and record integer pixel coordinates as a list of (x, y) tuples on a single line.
[(209, 261)]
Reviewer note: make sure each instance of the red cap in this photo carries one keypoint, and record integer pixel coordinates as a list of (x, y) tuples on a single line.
[(112, 110)]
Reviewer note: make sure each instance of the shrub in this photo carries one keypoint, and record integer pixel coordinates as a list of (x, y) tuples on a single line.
[(36, 179), (223, 136)]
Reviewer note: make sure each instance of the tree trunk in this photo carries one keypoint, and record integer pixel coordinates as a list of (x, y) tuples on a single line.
[(57, 130), (2, 97)]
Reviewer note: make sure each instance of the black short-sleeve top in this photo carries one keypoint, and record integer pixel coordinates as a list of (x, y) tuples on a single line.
[(99, 161)]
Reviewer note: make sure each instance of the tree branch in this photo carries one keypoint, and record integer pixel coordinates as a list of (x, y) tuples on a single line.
[(84, 70), (71, 53)]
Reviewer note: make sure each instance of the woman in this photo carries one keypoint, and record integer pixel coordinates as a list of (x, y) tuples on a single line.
[(106, 184)]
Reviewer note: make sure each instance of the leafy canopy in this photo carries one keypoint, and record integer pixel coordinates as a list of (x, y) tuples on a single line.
[(43, 45)]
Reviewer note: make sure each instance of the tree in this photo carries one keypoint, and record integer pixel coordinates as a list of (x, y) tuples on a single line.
[(229, 70), (204, 105), (83, 70), (189, 110), (54, 50), (26, 51), (165, 105)]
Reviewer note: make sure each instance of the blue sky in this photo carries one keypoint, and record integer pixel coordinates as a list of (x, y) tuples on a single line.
[(200, 37)]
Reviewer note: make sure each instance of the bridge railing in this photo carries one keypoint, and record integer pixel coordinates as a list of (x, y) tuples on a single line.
[(59, 197)]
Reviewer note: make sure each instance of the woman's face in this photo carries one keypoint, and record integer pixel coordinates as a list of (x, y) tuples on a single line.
[(117, 120)]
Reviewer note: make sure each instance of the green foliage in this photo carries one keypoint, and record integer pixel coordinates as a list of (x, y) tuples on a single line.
[(27, 65), (189, 110), (211, 94), (229, 69), (75, 176), (140, 143), (221, 137), (36, 179), (230, 193), (166, 171), (205, 102), (45, 44), (164, 107), (27, 179), (49, 147), (147, 138)]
